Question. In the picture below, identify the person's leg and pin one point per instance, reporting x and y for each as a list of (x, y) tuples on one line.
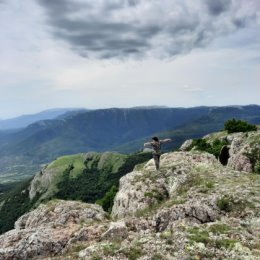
[(156, 161), (159, 156)]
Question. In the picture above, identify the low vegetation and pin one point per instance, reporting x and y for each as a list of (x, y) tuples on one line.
[(203, 145), (228, 203), (234, 126)]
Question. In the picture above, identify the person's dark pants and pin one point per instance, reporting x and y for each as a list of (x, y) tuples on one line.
[(156, 158)]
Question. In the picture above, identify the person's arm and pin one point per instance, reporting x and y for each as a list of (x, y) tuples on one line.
[(166, 140), (146, 144)]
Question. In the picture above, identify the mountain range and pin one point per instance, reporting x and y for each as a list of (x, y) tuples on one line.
[(115, 129), (25, 120)]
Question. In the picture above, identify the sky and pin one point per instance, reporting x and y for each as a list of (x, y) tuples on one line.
[(125, 53)]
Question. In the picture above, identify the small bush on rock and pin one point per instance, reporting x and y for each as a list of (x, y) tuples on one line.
[(108, 200), (233, 126), (203, 145), (229, 203)]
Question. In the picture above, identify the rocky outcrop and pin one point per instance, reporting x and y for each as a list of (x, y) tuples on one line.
[(47, 230), (116, 231), (141, 189), (193, 211), (186, 145), (243, 149)]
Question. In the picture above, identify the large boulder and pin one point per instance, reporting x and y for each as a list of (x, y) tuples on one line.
[(145, 187), (47, 230), (244, 151)]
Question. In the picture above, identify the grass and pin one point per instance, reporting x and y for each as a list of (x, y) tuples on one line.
[(134, 252), (175, 201), (157, 256), (77, 248), (147, 211), (154, 194), (205, 184), (219, 228), (110, 249), (198, 236), (225, 243), (228, 203), (107, 159), (63, 162), (96, 257)]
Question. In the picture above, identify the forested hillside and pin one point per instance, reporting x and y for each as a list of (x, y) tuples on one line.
[(87, 177)]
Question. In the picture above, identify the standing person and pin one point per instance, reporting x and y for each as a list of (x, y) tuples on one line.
[(156, 144)]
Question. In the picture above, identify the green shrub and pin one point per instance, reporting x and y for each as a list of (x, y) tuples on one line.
[(257, 169), (203, 145), (225, 203), (228, 203), (233, 126), (108, 200), (210, 184)]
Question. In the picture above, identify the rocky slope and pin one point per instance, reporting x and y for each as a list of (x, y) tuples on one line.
[(193, 208), (243, 149)]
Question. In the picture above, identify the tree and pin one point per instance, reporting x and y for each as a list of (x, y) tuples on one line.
[(233, 126)]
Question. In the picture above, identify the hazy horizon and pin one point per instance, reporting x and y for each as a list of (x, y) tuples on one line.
[(78, 108)]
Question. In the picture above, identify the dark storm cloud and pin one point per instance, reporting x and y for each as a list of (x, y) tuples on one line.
[(136, 28), (216, 7)]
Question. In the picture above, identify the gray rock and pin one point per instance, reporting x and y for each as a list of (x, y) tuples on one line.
[(47, 230), (193, 211), (186, 145), (243, 147), (116, 231), (141, 189)]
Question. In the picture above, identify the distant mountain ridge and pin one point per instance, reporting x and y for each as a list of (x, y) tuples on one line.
[(115, 129), (25, 120)]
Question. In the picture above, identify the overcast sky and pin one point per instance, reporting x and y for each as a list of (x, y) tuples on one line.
[(124, 53)]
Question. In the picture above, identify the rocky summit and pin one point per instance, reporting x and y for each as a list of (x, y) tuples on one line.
[(193, 208)]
